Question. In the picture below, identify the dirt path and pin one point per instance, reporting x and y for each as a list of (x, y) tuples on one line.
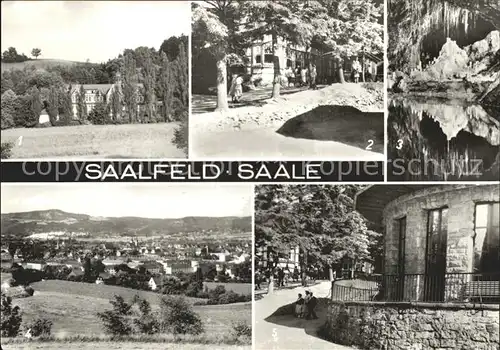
[(335, 122), (275, 331)]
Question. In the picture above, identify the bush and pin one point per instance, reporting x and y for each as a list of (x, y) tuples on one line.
[(177, 316), (181, 137), (194, 289), (116, 321), (6, 150), (40, 327), (241, 329), (10, 317)]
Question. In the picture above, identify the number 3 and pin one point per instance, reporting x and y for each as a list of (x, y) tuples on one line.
[(370, 144), (399, 144)]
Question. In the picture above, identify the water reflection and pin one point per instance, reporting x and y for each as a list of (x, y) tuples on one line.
[(441, 140)]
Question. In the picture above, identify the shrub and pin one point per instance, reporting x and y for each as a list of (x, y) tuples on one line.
[(146, 322), (6, 150), (116, 321), (194, 289), (10, 318), (181, 136), (40, 327), (178, 317), (241, 329)]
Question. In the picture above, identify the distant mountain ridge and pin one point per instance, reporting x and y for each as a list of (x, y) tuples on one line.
[(53, 220)]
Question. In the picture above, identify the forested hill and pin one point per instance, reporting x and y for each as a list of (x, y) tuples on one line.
[(45, 221)]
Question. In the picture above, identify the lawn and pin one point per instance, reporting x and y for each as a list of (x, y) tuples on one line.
[(73, 308), (97, 141), (117, 345)]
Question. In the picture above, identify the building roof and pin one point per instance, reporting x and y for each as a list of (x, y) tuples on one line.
[(371, 201)]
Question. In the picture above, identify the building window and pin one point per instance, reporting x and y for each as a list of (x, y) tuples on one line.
[(435, 268), (486, 239), (258, 59), (268, 58)]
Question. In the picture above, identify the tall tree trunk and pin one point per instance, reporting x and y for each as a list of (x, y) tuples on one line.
[(277, 71), (330, 273), (303, 269), (222, 104)]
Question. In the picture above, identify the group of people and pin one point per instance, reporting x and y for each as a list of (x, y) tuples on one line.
[(305, 306), (303, 76)]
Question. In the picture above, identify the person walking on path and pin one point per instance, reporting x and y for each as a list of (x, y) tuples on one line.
[(258, 280), (310, 302), (303, 76), (313, 76), (356, 67), (236, 90), (299, 307), (281, 277)]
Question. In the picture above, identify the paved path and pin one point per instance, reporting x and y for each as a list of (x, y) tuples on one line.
[(207, 103), (286, 332)]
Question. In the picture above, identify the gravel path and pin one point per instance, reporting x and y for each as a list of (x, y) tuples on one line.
[(285, 332)]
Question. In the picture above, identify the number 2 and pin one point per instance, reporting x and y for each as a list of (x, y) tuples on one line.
[(370, 144)]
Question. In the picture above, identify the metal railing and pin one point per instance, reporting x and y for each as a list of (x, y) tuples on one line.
[(449, 288)]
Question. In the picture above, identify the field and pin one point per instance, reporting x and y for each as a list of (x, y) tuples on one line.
[(39, 64), (98, 141), (72, 307), (117, 345)]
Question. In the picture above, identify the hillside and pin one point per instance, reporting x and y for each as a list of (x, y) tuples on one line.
[(39, 64), (26, 223), (73, 307)]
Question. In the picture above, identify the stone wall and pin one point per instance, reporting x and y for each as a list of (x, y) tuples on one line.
[(460, 200), (372, 325)]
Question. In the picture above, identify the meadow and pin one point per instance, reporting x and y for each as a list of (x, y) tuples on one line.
[(73, 308), (95, 141)]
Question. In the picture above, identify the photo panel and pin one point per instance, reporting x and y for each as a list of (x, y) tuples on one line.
[(113, 83), (126, 266), (444, 93), (377, 266), (287, 80)]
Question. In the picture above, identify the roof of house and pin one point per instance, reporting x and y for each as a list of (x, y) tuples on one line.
[(113, 261), (371, 201), (104, 275)]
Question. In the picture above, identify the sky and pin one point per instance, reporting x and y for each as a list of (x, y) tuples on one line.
[(93, 30), (159, 200)]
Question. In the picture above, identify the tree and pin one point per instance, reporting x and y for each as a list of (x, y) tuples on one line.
[(11, 317), (36, 107), (182, 77), (99, 114), (353, 26), (178, 317), (36, 52), (116, 321), (171, 46), (149, 79), (166, 87), (210, 33), (130, 87), (320, 219), (283, 20), (65, 106), (81, 107), (116, 104), (9, 100), (53, 105)]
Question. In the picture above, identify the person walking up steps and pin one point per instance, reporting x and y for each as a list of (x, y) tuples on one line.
[(299, 307)]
